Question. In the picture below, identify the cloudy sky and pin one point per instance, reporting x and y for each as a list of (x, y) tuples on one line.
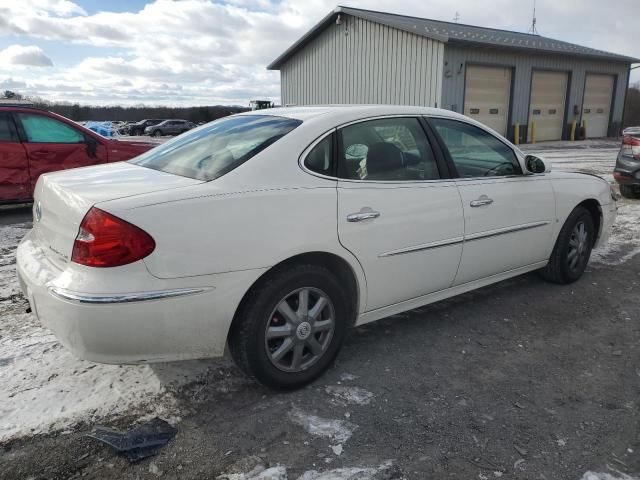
[(204, 52)]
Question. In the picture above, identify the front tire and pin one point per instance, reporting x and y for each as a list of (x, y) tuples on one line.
[(630, 191), (157, 133), (572, 249), (290, 327)]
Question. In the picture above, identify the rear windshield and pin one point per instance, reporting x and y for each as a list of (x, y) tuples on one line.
[(210, 151)]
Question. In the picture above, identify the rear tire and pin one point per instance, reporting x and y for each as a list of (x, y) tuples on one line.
[(284, 341), (572, 249), (630, 191)]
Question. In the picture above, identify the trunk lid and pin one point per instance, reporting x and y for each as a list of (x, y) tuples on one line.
[(62, 199)]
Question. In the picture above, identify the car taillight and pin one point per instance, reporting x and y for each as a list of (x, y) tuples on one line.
[(631, 147), (105, 240)]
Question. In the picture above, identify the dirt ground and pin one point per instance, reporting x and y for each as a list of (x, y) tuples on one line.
[(519, 380)]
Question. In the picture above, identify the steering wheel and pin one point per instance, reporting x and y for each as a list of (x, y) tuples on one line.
[(498, 167)]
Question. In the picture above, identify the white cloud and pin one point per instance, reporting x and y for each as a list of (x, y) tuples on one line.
[(203, 52), (18, 55)]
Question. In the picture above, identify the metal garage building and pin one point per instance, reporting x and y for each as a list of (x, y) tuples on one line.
[(499, 77)]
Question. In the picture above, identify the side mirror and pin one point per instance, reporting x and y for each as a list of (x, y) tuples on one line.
[(92, 146), (536, 164)]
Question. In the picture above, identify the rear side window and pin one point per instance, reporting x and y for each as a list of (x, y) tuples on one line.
[(388, 149), (7, 129), (320, 158), (474, 152), (216, 148), (41, 129)]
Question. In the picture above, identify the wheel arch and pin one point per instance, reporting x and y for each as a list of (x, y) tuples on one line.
[(340, 267), (594, 208)]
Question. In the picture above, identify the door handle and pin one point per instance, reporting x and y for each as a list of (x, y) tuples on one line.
[(483, 200), (365, 213)]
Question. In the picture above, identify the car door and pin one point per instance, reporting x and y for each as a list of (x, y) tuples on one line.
[(52, 144), (398, 213), (508, 214), (173, 127), (14, 166)]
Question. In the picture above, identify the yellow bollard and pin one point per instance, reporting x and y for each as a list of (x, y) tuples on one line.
[(516, 134), (584, 125), (572, 136), (533, 132)]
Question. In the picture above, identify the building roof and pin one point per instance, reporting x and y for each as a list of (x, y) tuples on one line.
[(455, 34)]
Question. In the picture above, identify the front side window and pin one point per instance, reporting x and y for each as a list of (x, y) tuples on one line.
[(388, 149), (216, 148), (7, 129), (474, 152), (42, 129)]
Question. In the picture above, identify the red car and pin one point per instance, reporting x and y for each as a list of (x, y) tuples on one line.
[(34, 141)]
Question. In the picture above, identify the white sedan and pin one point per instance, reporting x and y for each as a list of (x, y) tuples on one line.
[(274, 232)]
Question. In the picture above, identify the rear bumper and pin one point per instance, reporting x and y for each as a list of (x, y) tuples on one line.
[(142, 319)]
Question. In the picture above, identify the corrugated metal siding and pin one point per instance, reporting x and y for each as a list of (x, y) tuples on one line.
[(523, 64), (371, 63)]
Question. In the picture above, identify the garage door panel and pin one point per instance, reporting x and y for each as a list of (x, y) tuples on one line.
[(487, 92), (596, 108), (546, 111)]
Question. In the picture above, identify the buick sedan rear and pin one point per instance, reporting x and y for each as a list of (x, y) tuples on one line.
[(275, 233)]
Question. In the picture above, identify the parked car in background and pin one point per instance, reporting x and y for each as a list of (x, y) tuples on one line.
[(169, 127), (34, 141), (139, 127), (276, 233), (627, 170)]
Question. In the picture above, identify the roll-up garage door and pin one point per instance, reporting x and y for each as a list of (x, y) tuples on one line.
[(548, 95), (598, 91), (486, 96)]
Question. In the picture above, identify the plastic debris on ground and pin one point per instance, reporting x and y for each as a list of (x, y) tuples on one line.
[(139, 443)]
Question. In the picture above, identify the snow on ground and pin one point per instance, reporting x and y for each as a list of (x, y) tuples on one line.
[(607, 476), (337, 430), (624, 241), (279, 472), (349, 395)]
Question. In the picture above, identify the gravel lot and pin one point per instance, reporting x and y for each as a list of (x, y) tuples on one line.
[(521, 379)]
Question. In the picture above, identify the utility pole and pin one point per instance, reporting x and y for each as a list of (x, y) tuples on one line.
[(456, 17)]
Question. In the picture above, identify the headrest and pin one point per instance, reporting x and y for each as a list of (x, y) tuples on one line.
[(383, 157)]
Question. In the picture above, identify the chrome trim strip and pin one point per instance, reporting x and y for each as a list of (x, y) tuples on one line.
[(467, 238), (115, 298), (502, 231), (424, 246)]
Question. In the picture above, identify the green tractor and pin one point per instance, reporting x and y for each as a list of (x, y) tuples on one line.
[(261, 104)]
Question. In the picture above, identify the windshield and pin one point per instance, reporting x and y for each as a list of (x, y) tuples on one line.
[(214, 149)]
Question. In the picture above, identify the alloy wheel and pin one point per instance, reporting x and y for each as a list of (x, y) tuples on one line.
[(300, 329), (578, 246)]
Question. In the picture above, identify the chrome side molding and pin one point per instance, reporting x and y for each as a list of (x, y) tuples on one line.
[(111, 298)]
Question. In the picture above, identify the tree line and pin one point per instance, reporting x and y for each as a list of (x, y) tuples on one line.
[(79, 112)]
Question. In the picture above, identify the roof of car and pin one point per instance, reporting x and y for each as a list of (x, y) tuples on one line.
[(356, 111)]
